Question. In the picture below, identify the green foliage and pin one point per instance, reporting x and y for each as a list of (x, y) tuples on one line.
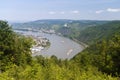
[(36, 71), (98, 33), (105, 55), (14, 49)]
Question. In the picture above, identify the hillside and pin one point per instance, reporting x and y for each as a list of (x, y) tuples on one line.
[(97, 33), (104, 48), (57, 23), (67, 28)]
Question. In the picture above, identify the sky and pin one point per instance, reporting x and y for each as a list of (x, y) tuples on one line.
[(30, 10)]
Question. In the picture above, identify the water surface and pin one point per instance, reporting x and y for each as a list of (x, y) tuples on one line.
[(60, 46)]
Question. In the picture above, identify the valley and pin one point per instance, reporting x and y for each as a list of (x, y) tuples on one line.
[(79, 52)]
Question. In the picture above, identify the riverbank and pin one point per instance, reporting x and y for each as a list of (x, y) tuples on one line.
[(77, 41), (39, 43), (60, 46), (81, 43)]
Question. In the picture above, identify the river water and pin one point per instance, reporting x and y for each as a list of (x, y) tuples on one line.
[(61, 47)]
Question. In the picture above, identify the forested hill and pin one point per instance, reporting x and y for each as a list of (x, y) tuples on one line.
[(104, 48), (67, 28), (97, 33), (57, 23)]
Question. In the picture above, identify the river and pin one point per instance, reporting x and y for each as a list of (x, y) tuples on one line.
[(61, 47)]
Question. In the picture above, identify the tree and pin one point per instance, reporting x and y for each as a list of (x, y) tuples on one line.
[(14, 49), (115, 54)]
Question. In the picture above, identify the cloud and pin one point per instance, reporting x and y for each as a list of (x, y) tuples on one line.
[(108, 10), (99, 11), (113, 10), (62, 12), (52, 12), (75, 12)]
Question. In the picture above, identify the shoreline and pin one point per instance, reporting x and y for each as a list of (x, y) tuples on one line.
[(75, 40), (81, 43)]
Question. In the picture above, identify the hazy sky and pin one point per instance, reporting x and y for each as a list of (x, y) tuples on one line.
[(27, 10)]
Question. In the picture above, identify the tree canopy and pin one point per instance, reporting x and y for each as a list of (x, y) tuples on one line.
[(14, 49)]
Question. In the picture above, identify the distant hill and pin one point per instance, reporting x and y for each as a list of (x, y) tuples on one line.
[(57, 23), (86, 31), (97, 33), (68, 28)]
